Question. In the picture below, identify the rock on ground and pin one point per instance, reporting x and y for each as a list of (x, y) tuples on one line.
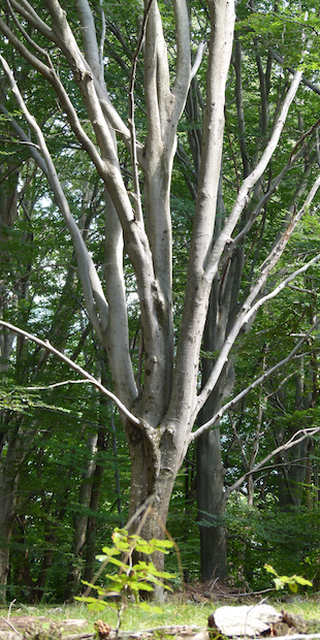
[(249, 620)]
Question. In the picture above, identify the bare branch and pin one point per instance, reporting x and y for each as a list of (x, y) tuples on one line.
[(198, 59), (26, 11), (49, 347), (249, 182), (132, 128), (250, 307), (183, 65), (229, 405), (92, 289), (297, 437)]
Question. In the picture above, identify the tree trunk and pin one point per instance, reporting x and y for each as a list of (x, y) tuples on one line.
[(81, 521), (211, 506), (8, 495)]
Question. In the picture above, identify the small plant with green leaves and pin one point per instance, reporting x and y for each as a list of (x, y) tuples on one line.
[(132, 577), (292, 581)]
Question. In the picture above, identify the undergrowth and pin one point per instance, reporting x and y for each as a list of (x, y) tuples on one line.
[(172, 612)]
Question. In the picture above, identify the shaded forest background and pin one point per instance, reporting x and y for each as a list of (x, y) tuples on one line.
[(63, 452)]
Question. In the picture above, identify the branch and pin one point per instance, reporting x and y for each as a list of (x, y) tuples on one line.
[(183, 65), (281, 61), (46, 345), (26, 11), (294, 440), (89, 37), (50, 75), (24, 8), (102, 39), (56, 384), (250, 307), (249, 182), (26, 35), (255, 383), (26, 140), (298, 150), (92, 288), (198, 60), (156, 77), (131, 122)]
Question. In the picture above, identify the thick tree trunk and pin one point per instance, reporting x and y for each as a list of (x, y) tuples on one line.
[(210, 472), (211, 506)]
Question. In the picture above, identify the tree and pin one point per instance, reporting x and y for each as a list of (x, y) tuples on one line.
[(161, 394)]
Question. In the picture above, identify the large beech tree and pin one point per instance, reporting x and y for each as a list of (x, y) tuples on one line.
[(66, 52)]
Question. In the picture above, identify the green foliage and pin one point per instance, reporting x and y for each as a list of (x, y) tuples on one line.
[(265, 534), (292, 581), (132, 577)]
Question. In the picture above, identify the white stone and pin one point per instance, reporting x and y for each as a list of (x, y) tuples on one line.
[(249, 620)]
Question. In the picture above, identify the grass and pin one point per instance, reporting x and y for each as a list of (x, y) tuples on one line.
[(172, 613), (133, 618), (307, 607)]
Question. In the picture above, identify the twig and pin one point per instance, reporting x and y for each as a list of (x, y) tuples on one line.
[(144, 506), (10, 607), (11, 626), (167, 630), (80, 636)]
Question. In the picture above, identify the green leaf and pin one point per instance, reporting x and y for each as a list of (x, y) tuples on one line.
[(303, 581), (162, 545), (278, 583), (97, 606), (118, 563), (143, 546), (144, 586), (270, 569), (110, 551)]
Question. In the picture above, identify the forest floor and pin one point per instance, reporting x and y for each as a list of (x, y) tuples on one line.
[(184, 616)]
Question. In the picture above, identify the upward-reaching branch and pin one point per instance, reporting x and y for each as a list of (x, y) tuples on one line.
[(95, 301), (197, 288), (251, 304), (250, 181), (90, 39), (266, 374)]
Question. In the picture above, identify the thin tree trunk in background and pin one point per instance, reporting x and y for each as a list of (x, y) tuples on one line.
[(93, 524), (9, 479), (81, 520), (116, 470)]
